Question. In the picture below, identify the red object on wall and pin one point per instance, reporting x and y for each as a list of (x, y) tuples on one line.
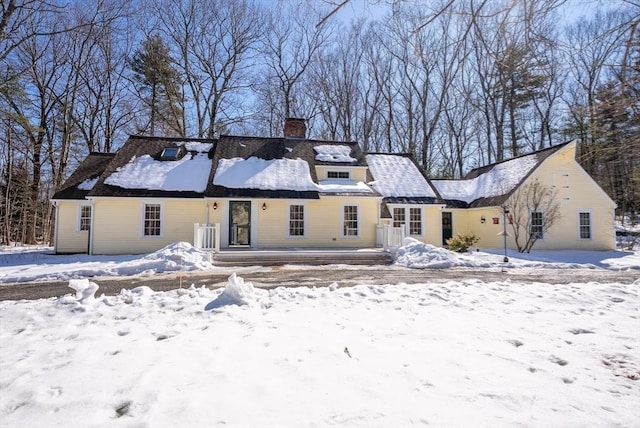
[(496, 220)]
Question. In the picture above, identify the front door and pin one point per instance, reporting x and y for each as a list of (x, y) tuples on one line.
[(447, 228), (239, 223)]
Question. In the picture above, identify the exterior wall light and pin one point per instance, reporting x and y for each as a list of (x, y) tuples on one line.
[(264, 206), (483, 219), (215, 205)]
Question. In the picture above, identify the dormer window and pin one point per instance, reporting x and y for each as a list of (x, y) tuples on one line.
[(338, 174), (170, 153)]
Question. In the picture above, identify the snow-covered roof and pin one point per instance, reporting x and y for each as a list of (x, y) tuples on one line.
[(343, 186), (88, 183), (262, 174), (334, 153), (398, 176), (196, 146), (499, 180), (144, 172)]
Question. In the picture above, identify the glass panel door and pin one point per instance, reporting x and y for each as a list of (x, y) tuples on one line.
[(447, 228), (239, 222)]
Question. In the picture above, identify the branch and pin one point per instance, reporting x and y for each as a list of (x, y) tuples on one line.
[(333, 12)]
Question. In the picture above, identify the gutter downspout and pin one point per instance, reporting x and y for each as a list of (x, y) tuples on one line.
[(93, 216), (55, 227)]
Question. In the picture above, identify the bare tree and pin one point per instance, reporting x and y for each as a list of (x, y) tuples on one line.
[(104, 106), (592, 44), (292, 42), (32, 106), (533, 209), (214, 44), (603, 101), (336, 80)]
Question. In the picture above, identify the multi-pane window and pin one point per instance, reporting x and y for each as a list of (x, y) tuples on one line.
[(536, 224), (398, 217), (85, 217), (585, 225), (152, 220), (415, 221), (296, 220), (350, 225), (338, 174)]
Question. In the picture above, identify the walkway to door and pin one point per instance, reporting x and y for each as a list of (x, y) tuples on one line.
[(285, 256), (207, 237)]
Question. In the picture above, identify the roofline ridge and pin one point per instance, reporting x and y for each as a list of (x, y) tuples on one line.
[(405, 154), (102, 154), (158, 138), (284, 139), (555, 147)]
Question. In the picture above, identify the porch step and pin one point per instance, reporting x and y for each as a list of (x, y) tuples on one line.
[(300, 257)]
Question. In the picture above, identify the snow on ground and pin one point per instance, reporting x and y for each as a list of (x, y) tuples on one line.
[(415, 254), (460, 353), (28, 264), (463, 353), (25, 264)]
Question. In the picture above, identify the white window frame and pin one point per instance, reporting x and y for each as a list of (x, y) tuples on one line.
[(338, 172), (406, 224), (395, 221), (304, 220), (79, 220), (421, 220), (338, 169), (344, 220), (541, 225), (143, 219), (590, 214)]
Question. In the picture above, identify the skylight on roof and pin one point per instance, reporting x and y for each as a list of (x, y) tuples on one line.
[(88, 184), (334, 153), (169, 153)]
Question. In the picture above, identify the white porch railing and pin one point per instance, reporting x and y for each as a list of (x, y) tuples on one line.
[(206, 236), (388, 236)]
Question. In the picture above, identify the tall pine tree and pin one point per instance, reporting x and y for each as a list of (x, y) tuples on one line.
[(159, 87)]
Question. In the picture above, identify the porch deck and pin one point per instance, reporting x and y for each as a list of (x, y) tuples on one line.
[(299, 256)]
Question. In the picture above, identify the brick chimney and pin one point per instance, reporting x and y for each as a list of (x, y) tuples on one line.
[(295, 128)]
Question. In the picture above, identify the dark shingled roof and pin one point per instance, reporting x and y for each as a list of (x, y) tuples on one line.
[(138, 146), (91, 167), (411, 200)]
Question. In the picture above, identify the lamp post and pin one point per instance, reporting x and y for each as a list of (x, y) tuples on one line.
[(505, 211)]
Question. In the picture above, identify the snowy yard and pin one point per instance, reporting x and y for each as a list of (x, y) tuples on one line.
[(463, 353)]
